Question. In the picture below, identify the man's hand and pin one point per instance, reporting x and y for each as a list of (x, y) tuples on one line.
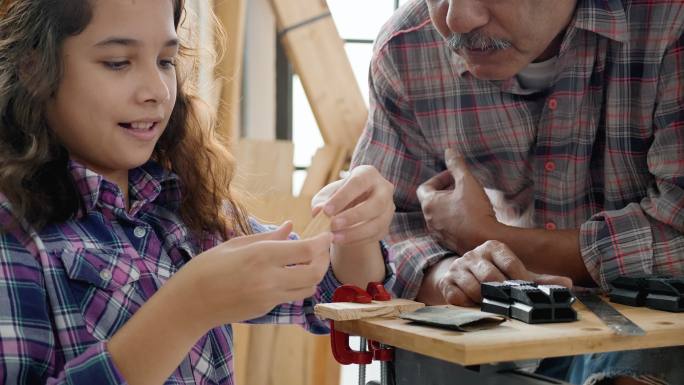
[(456, 209), (361, 206), (489, 262)]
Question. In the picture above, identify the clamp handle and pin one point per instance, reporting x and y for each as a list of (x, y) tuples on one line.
[(339, 341)]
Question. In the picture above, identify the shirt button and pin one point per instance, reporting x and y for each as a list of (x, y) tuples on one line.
[(139, 232), (553, 103), (106, 275), (550, 226), (550, 166)]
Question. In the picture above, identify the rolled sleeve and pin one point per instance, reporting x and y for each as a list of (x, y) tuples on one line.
[(94, 366)]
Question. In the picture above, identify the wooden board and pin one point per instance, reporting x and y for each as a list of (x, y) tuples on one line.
[(345, 311), (515, 340), (317, 54), (231, 14), (264, 167), (321, 170), (340, 163)]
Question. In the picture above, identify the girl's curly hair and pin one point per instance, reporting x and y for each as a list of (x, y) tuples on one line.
[(34, 172)]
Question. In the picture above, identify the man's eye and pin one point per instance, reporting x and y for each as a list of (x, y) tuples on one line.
[(116, 65)]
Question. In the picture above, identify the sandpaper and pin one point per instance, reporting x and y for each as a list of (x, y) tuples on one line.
[(454, 318)]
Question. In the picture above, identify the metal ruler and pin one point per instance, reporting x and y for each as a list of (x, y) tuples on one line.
[(620, 324)]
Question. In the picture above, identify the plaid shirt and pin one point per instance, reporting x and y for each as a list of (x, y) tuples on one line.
[(602, 150), (64, 291)]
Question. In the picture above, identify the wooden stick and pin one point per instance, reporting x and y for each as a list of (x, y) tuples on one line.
[(320, 224)]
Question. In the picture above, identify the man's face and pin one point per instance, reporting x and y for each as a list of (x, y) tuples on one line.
[(498, 38)]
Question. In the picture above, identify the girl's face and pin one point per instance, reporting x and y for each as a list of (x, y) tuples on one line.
[(119, 85)]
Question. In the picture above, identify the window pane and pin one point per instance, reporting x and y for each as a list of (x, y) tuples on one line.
[(360, 19), (305, 135), (359, 56)]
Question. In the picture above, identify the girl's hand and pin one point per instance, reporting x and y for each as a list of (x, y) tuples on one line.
[(360, 206), (246, 277)]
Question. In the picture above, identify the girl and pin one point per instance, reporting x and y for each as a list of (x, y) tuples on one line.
[(123, 256)]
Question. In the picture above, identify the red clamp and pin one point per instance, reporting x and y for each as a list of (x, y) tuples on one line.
[(339, 341)]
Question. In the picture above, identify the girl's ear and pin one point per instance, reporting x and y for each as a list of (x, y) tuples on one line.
[(26, 69), (31, 80)]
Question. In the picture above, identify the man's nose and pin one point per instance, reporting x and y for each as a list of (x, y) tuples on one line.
[(466, 16)]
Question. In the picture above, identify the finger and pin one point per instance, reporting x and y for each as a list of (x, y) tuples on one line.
[(375, 206), (282, 232), (326, 192), (470, 285), (352, 189), (454, 161), (306, 275), (547, 279), (282, 253), (299, 294), (439, 182), (505, 260), (453, 295), (486, 271), (372, 230)]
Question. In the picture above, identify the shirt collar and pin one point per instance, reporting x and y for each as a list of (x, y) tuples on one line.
[(603, 17), (147, 183)]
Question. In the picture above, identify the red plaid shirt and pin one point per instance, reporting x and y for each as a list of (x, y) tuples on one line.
[(602, 150)]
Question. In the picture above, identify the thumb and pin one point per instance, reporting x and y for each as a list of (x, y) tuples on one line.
[(454, 161), (322, 197), (547, 279), (439, 182), (279, 234)]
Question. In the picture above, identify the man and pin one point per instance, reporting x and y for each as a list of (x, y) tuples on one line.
[(566, 120)]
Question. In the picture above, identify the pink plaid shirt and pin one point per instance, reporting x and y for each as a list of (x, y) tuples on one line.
[(601, 150)]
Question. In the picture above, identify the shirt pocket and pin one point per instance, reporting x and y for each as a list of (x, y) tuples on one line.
[(102, 282)]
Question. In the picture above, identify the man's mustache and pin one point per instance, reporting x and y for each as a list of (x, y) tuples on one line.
[(476, 41)]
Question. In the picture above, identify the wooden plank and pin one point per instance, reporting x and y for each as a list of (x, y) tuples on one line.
[(289, 355), (320, 171), (241, 335), (514, 340), (346, 311), (231, 14), (317, 54), (264, 167), (277, 208), (341, 163)]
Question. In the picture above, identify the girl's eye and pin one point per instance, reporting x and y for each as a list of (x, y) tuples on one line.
[(116, 65), (167, 63)]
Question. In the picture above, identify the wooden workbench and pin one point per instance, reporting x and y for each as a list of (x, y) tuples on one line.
[(514, 340)]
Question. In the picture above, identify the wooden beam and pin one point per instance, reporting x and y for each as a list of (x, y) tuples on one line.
[(231, 14), (317, 54), (323, 169)]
